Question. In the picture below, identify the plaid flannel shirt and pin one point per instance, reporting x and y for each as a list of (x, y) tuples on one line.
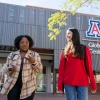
[(28, 73)]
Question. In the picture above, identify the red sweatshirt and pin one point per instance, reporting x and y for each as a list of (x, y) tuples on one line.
[(72, 71)]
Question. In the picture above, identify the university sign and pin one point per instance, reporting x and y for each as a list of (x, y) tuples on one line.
[(94, 32), (94, 29), (94, 47)]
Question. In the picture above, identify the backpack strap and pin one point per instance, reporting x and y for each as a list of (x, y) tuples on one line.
[(13, 55)]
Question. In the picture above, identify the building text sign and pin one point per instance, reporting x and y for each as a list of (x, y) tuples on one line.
[(94, 47)]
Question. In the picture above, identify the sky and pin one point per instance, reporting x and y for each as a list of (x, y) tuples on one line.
[(54, 4)]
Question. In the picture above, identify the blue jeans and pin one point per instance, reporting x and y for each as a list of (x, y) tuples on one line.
[(76, 92)]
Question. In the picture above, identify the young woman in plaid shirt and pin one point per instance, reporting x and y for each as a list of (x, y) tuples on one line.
[(21, 68)]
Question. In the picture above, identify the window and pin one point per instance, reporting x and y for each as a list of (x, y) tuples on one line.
[(22, 15), (11, 13)]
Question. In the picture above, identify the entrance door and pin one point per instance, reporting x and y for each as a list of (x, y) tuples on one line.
[(44, 79)]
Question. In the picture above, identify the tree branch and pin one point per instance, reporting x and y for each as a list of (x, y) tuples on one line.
[(80, 6)]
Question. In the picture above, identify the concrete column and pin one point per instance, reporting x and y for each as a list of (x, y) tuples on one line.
[(48, 79), (54, 80)]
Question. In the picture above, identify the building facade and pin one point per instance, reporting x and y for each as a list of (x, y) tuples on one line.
[(27, 20)]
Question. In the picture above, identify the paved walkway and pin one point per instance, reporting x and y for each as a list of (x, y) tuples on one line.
[(44, 96)]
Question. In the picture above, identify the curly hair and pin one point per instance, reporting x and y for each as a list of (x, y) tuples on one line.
[(19, 38)]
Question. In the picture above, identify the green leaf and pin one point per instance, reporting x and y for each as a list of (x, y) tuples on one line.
[(73, 13), (52, 37), (50, 34)]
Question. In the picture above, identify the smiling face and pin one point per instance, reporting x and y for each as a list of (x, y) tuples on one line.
[(69, 35), (24, 44)]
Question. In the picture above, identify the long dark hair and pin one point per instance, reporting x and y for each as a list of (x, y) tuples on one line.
[(79, 48)]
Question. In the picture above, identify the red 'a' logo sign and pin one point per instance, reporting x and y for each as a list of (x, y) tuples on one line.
[(94, 29)]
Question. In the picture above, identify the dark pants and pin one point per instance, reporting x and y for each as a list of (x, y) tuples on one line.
[(14, 94), (30, 97)]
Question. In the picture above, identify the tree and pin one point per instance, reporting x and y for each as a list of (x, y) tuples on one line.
[(58, 19)]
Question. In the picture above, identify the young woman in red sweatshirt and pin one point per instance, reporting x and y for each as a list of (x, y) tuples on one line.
[(75, 69)]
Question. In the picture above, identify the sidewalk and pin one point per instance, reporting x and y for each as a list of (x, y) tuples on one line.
[(45, 96)]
